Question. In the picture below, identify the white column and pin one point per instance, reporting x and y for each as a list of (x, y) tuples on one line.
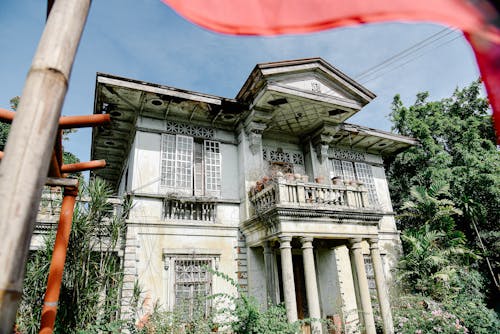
[(383, 296), (270, 275), (287, 276), (311, 284), (362, 286)]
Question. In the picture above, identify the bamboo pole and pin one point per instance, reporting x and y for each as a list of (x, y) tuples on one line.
[(23, 170), (49, 310)]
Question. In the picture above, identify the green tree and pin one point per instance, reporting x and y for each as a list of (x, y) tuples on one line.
[(437, 271), (430, 207), (457, 147), (89, 299), (4, 127)]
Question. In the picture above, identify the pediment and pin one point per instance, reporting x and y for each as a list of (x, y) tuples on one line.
[(298, 95), (312, 75), (314, 83)]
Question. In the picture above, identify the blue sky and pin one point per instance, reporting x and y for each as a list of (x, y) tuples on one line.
[(146, 40)]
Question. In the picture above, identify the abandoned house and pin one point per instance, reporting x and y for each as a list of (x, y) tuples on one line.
[(271, 187)]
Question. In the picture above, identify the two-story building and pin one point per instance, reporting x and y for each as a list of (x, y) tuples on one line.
[(271, 187)]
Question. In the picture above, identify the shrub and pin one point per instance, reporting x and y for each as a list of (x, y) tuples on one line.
[(230, 314), (419, 315)]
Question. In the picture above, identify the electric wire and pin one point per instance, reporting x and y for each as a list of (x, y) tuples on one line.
[(409, 52), (401, 53), (389, 70)]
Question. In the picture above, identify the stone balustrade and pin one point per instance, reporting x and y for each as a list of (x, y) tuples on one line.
[(190, 209), (309, 195), (49, 209)]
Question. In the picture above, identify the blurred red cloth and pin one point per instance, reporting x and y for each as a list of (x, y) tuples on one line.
[(272, 17)]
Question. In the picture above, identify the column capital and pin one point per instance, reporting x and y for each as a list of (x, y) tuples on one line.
[(373, 243), (267, 247), (355, 243), (306, 242), (285, 241)]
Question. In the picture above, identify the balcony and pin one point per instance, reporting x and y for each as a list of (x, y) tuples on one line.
[(49, 210), (190, 208), (315, 196)]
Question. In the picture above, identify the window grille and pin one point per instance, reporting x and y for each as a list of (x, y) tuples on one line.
[(212, 167), (365, 175), (336, 168), (193, 284), (184, 163), (168, 161), (190, 168), (176, 163), (348, 170), (356, 171)]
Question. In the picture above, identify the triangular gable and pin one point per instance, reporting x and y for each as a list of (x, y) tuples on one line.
[(314, 83)]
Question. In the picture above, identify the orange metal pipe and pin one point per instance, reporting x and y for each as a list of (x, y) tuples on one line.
[(54, 280), (81, 166), (58, 149), (66, 122), (6, 115), (71, 122), (54, 169)]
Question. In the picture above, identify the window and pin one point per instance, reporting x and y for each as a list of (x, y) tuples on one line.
[(190, 167), (188, 280), (356, 171), (193, 284)]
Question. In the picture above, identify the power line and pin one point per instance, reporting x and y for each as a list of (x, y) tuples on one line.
[(408, 52), (400, 53), (410, 60)]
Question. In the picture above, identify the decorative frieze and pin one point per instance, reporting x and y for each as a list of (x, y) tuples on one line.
[(345, 154), (189, 130), (279, 155)]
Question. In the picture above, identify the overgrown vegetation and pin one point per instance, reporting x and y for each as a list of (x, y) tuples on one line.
[(89, 299), (240, 314), (447, 193)]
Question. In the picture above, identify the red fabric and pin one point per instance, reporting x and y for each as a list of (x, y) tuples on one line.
[(272, 17), (487, 52)]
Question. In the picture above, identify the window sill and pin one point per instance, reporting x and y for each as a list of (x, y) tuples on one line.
[(187, 198)]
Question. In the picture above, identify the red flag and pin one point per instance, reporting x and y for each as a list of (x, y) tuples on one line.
[(272, 17)]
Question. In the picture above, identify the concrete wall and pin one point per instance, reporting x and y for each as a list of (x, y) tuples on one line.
[(155, 243), (256, 274)]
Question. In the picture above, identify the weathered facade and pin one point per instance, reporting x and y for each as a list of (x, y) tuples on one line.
[(245, 186)]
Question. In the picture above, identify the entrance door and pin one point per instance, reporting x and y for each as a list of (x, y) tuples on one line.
[(300, 286)]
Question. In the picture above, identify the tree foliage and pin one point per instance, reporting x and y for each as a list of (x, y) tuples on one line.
[(457, 149), (438, 271), (447, 191), (4, 127)]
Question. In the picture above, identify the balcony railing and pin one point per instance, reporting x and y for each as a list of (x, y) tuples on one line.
[(309, 195), (49, 209), (198, 209)]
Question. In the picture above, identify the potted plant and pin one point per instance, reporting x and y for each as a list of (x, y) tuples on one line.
[(337, 180)]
